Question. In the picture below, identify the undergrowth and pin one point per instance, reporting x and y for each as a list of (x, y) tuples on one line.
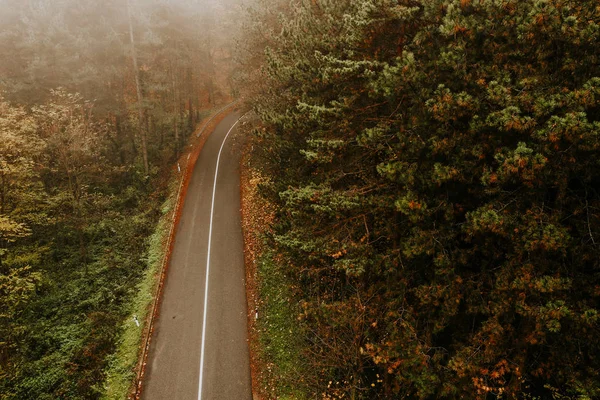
[(277, 348), (280, 337), (121, 371)]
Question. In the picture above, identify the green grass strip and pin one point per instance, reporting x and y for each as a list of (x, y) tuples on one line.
[(280, 336)]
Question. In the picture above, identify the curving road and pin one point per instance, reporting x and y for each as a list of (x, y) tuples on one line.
[(194, 323)]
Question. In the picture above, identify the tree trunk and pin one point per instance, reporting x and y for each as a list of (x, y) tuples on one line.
[(191, 122), (138, 87), (3, 194), (120, 141), (189, 95), (175, 110)]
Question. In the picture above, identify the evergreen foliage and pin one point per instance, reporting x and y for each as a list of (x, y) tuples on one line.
[(436, 173)]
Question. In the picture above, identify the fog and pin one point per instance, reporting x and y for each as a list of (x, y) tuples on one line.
[(85, 45)]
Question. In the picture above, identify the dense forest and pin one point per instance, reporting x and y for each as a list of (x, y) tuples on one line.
[(429, 183), (435, 170), (97, 100)]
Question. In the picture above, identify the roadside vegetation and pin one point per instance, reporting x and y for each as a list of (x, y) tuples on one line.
[(433, 171), (121, 370), (280, 337), (276, 342)]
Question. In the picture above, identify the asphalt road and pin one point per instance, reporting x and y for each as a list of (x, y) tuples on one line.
[(174, 363)]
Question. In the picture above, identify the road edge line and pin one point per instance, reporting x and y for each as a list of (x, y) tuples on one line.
[(212, 211), (136, 393)]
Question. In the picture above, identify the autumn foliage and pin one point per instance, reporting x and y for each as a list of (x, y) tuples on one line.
[(436, 172)]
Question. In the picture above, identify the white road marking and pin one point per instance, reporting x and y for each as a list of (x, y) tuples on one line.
[(212, 210)]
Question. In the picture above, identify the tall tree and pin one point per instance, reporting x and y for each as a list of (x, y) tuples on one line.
[(138, 90), (435, 171), (20, 190)]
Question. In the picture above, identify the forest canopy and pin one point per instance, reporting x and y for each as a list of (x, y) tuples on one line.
[(435, 170), (433, 165)]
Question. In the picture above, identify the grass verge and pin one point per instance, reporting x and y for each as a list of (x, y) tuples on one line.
[(276, 344), (279, 335)]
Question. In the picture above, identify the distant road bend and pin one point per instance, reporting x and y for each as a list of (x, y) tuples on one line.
[(199, 349)]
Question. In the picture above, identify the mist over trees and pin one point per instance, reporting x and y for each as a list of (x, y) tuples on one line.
[(435, 169), (434, 166), (91, 48), (97, 99)]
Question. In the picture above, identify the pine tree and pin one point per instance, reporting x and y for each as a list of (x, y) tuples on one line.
[(435, 171)]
